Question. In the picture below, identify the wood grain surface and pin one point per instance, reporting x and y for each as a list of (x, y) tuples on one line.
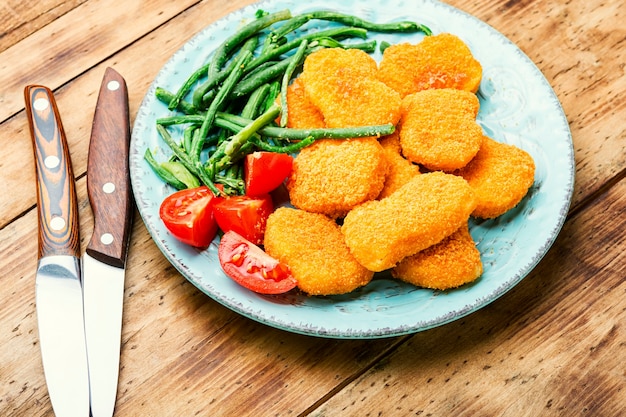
[(555, 345)]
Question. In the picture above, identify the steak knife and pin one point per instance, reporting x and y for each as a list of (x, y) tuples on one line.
[(59, 298), (108, 187)]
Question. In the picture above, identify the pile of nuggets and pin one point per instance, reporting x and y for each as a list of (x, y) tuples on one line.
[(400, 202)]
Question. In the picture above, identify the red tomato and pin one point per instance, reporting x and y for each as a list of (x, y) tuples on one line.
[(243, 214), (251, 267), (187, 215), (265, 171)]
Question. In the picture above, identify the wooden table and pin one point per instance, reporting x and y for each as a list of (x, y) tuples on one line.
[(555, 345)]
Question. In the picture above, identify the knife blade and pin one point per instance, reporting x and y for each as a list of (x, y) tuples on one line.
[(108, 187), (58, 298)]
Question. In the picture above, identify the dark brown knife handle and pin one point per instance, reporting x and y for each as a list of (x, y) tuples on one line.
[(108, 176), (56, 191)]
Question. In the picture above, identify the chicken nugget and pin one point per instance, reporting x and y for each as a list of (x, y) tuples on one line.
[(421, 213), (449, 264), (401, 170), (439, 61), (337, 62), (332, 176), (438, 128), (302, 114), (500, 175), (342, 84), (314, 249)]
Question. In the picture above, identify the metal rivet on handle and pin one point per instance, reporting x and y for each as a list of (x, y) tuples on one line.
[(41, 104), (57, 223), (51, 161), (106, 238), (108, 188), (113, 85)]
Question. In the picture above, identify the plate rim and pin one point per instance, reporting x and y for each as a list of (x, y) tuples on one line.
[(379, 332)]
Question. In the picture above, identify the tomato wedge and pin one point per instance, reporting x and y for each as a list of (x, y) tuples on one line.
[(188, 216), (251, 267), (265, 171), (243, 214)]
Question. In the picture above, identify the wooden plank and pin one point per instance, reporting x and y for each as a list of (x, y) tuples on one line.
[(75, 42), (556, 343), (20, 18)]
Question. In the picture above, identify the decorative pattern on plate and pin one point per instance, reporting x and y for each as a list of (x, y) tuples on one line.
[(518, 106)]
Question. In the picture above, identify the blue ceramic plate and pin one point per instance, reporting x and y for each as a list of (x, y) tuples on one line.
[(518, 106)]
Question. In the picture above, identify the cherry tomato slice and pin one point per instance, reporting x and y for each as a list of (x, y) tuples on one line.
[(243, 214), (188, 216), (265, 171), (251, 267)]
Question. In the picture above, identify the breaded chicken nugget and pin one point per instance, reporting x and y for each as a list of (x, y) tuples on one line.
[(439, 61), (302, 114), (400, 169), (342, 84), (500, 175), (314, 249), (438, 128), (420, 214), (332, 176), (449, 264)]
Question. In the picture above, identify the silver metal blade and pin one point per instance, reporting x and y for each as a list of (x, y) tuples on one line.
[(103, 288), (59, 301)]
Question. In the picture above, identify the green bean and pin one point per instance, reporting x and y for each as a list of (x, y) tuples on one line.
[(255, 102), (236, 184), (206, 91), (329, 133), (244, 134), (319, 133), (368, 47), (227, 125), (181, 173), (292, 148), (197, 143), (384, 45), (220, 56), (255, 71), (268, 45), (184, 89), (208, 180), (223, 92), (271, 97), (166, 97), (295, 62), (178, 151), (232, 122), (227, 152), (193, 166), (163, 173), (348, 20), (228, 162), (232, 178), (250, 84), (188, 138), (180, 119)]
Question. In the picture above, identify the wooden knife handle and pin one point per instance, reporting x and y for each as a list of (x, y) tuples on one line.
[(56, 190), (108, 176)]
